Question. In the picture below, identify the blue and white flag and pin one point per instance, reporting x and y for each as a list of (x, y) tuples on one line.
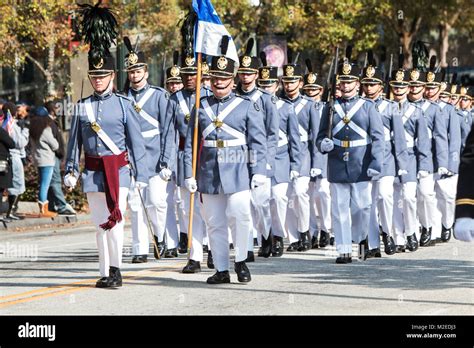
[(210, 30)]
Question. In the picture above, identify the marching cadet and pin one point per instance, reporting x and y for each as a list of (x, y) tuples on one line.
[(287, 160), (174, 82), (308, 125), (205, 77), (426, 200), (465, 113), (394, 162), (419, 159), (150, 103), (445, 182), (107, 127), (355, 157), (178, 115), (260, 199), (319, 191), (231, 163)]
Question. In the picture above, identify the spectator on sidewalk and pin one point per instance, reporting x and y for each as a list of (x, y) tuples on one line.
[(57, 201), (23, 120), (43, 147), (6, 143), (20, 135)]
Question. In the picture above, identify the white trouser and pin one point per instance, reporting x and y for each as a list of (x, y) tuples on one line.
[(404, 212), (109, 243), (320, 206), (426, 201), (199, 226), (223, 211), (182, 223), (298, 212), (446, 199), (260, 208), (350, 210), (279, 209), (164, 215), (381, 212)]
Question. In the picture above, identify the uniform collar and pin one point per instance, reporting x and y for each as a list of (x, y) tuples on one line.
[(103, 96), (242, 92), (224, 99), (419, 101), (143, 89), (293, 100), (349, 100)]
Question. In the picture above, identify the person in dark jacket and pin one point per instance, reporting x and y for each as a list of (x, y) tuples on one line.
[(6, 143)]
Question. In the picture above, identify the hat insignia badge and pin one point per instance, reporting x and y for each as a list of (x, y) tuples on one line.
[(174, 71), (414, 75), (189, 61), (370, 72), (311, 78), (443, 86), (289, 71), (399, 76), (205, 68), (99, 64), (222, 63), (346, 69), (463, 91), (246, 61), (430, 77), (265, 74), (132, 58), (453, 89)]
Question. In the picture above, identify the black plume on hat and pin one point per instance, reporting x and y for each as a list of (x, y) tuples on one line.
[(250, 44), (127, 43), (401, 58), (187, 33), (371, 58), (309, 65), (432, 63), (175, 57), (263, 58), (97, 28), (348, 52), (224, 45)]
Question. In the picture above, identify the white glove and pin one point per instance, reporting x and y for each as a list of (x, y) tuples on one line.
[(464, 229), (294, 174), (140, 185), (70, 180), (315, 172), (258, 180), (402, 172), (371, 173), (423, 174), (269, 167), (190, 184), (327, 145), (165, 174), (442, 171)]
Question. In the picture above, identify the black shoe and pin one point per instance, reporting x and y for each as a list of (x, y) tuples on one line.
[(183, 243), (231, 246), (277, 246), (140, 259), (314, 242), (255, 242), (250, 257), (294, 246), (259, 252), (363, 249), (400, 249), (210, 260), (373, 253), (13, 217), (331, 241), (389, 245), (219, 278), (344, 258), (446, 234), (438, 241), (192, 267), (323, 239), (161, 248), (266, 249), (115, 278), (425, 238), (412, 242), (305, 241), (243, 273), (102, 282), (170, 253), (205, 249)]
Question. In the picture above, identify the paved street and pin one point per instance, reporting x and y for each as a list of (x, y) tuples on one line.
[(60, 278)]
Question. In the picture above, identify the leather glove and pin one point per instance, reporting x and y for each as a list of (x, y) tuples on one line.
[(190, 184), (442, 171), (315, 172), (165, 174), (70, 180), (402, 172), (423, 174), (327, 145), (371, 173), (257, 180), (464, 229), (294, 174), (140, 185)]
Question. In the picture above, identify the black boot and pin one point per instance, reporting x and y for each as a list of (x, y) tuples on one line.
[(446, 234), (314, 241), (344, 258), (210, 260), (294, 246), (102, 282), (250, 257), (267, 245), (12, 207), (243, 273), (389, 245), (161, 248), (115, 278), (373, 253), (255, 242), (425, 238), (192, 267), (305, 241), (412, 242), (171, 253), (277, 246), (331, 241), (323, 239), (183, 243), (219, 278), (363, 249), (140, 259)]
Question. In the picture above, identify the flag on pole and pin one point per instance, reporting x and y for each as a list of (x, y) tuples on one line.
[(210, 30), (8, 123)]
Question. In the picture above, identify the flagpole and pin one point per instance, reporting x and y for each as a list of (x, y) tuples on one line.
[(195, 151)]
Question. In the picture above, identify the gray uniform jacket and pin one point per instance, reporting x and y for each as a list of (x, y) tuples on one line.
[(465, 119), (453, 128), (267, 104), (321, 158), (358, 144), (289, 144), (233, 146), (117, 117)]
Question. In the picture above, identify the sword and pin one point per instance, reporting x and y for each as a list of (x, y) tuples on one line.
[(75, 140), (333, 94)]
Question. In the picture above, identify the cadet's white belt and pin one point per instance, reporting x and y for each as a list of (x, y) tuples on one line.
[(283, 138), (387, 134), (351, 143), (150, 133), (224, 143)]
